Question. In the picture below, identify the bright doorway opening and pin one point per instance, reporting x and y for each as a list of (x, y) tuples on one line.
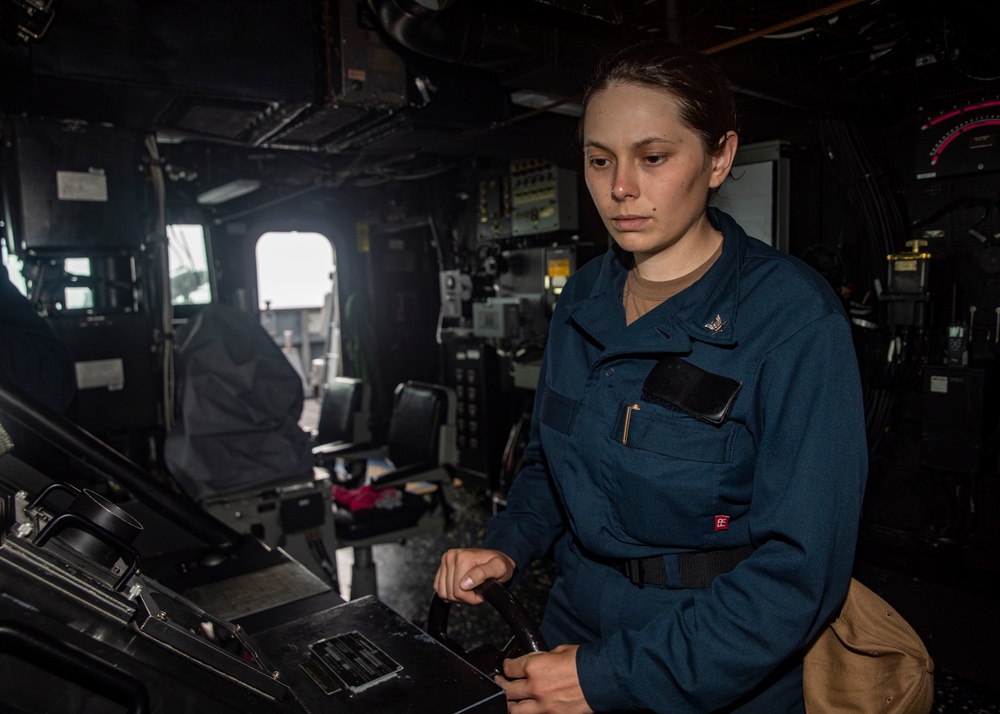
[(297, 298)]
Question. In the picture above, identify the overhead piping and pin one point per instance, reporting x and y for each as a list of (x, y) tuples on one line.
[(432, 32), (808, 17)]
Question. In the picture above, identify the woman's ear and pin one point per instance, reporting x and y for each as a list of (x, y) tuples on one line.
[(722, 161)]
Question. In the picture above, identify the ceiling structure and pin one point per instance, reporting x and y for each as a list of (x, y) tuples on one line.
[(325, 93)]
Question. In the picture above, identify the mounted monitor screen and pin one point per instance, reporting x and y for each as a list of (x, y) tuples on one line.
[(757, 192)]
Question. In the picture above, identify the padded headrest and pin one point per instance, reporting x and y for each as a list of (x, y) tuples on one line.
[(342, 400), (418, 413)]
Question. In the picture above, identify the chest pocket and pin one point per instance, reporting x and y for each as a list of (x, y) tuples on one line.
[(558, 411), (663, 430), (675, 382)]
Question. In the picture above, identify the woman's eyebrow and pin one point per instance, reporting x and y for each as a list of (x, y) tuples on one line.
[(645, 141)]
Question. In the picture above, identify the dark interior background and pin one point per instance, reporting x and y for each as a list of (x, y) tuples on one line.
[(394, 114)]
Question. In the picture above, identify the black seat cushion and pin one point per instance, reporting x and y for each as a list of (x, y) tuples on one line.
[(375, 522)]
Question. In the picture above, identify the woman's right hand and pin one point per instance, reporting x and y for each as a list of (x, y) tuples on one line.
[(463, 569)]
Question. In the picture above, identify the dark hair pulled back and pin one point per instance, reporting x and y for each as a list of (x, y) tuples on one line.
[(701, 89)]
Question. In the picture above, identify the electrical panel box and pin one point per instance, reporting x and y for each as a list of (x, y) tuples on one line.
[(456, 288), (494, 207), (497, 318), (363, 76), (958, 413), (528, 197), (369, 74), (71, 187), (471, 368), (543, 198)]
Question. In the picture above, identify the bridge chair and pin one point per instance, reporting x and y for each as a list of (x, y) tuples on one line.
[(295, 514), (407, 480), (345, 403), (343, 426)]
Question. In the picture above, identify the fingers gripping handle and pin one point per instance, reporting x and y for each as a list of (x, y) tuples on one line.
[(488, 658)]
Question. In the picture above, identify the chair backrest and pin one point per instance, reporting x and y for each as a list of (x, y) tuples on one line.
[(343, 415), (422, 421)]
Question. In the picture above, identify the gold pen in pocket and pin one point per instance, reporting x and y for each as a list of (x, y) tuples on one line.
[(628, 419)]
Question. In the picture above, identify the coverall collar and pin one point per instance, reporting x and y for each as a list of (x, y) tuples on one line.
[(705, 311)]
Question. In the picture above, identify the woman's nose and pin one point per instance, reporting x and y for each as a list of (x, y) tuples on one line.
[(624, 186)]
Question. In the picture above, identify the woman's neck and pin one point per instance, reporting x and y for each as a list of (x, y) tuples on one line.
[(680, 258)]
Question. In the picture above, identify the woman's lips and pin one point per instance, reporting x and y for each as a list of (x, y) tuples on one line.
[(629, 223)]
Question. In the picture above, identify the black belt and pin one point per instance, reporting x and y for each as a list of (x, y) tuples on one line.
[(681, 570)]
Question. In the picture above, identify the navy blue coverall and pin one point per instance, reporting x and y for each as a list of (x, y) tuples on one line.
[(784, 473), (32, 357)]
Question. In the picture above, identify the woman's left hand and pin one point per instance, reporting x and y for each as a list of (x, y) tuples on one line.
[(544, 683)]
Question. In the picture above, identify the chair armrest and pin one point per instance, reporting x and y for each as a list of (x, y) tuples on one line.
[(425, 471), (363, 450)]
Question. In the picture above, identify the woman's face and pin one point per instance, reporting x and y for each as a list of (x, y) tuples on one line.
[(649, 175)]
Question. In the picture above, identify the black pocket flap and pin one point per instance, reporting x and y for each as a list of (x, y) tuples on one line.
[(707, 396)]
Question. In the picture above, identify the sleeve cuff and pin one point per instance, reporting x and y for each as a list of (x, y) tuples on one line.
[(597, 678)]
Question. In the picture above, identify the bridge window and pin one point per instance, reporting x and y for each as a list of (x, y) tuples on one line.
[(78, 297), (190, 282)]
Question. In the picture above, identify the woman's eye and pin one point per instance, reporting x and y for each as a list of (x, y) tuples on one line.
[(654, 160), (598, 161)]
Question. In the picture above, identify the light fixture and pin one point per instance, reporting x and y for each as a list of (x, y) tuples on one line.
[(228, 191), (570, 106)]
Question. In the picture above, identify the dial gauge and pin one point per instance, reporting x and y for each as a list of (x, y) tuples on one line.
[(963, 138)]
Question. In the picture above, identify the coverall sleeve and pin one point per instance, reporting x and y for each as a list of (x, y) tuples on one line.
[(809, 481), (533, 518), (32, 357)]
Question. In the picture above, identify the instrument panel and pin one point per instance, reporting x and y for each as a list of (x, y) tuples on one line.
[(85, 633)]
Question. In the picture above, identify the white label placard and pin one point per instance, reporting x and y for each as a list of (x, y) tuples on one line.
[(108, 373), (82, 185)]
